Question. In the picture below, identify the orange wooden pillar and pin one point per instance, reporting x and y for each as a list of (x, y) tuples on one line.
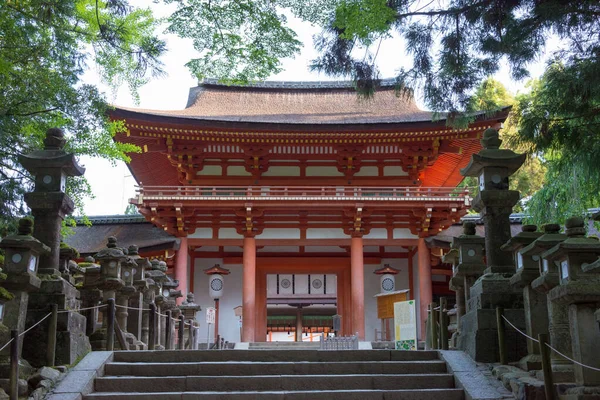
[(425, 287), (261, 306), (249, 290), (180, 272), (357, 276)]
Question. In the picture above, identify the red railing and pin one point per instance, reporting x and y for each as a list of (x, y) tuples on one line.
[(265, 192)]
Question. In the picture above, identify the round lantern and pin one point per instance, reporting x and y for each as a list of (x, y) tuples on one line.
[(215, 285), (387, 283)]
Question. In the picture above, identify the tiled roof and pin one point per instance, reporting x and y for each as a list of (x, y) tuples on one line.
[(128, 229)]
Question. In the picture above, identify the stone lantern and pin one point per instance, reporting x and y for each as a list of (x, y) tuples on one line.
[(527, 267), (456, 284), (558, 321), (469, 264), (579, 289), (161, 293), (48, 202), (123, 295), (189, 308), (136, 302), (493, 167), (22, 255), (91, 295), (110, 259)]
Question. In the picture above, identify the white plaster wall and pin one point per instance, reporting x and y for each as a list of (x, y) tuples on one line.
[(325, 233), (229, 233), (417, 293), (394, 170), (232, 297), (211, 170), (237, 170), (282, 171), (377, 233), (280, 233), (323, 171), (403, 233), (201, 233), (368, 171)]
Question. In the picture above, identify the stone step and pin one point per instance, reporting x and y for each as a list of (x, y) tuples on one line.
[(180, 356), (274, 368), (422, 394), (273, 382)]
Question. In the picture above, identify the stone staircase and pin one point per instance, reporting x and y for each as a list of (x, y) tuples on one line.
[(284, 346), (276, 375)]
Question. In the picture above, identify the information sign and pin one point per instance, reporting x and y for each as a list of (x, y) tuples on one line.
[(405, 324), (210, 315)]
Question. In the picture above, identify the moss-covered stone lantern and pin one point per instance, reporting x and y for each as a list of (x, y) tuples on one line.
[(579, 289), (22, 255), (527, 267)]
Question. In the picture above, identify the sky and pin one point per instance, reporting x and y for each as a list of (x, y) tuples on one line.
[(113, 185)]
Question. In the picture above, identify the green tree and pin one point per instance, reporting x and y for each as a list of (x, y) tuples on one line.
[(493, 95), (45, 47)]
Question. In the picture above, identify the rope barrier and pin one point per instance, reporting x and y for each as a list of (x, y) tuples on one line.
[(132, 308), (521, 332), (552, 348), (9, 342), (36, 324), (81, 309)]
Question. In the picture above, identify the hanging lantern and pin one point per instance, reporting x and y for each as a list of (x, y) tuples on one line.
[(215, 281), (387, 278)]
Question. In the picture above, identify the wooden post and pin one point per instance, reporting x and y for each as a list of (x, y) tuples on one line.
[(14, 365), (434, 327), (51, 349), (168, 327), (443, 324), (501, 335), (110, 325), (181, 344), (152, 327), (547, 367)]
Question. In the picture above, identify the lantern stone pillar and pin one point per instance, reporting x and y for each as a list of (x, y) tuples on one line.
[(493, 167), (249, 290), (181, 264), (110, 259), (48, 202), (425, 285), (457, 285), (357, 277), (136, 302), (157, 276), (579, 288), (536, 310), (558, 314), (189, 308)]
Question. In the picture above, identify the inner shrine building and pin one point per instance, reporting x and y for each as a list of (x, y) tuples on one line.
[(304, 193)]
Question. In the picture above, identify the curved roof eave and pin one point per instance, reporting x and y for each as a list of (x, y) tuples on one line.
[(215, 123)]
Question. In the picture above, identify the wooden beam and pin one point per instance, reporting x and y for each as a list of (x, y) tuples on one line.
[(301, 242)]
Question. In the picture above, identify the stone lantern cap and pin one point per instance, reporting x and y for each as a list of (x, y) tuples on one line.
[(527, 235), (469, 236), (111, 251), (52, 156), (451, 257), (24, 240), (575, 243), (551, 237), (493, 156)]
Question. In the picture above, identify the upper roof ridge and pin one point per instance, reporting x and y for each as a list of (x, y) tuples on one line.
[(385, 83)]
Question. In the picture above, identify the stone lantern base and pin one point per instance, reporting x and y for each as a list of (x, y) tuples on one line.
[(478, 328)]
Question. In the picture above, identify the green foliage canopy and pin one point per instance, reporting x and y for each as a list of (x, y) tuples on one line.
[(45, 47)]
